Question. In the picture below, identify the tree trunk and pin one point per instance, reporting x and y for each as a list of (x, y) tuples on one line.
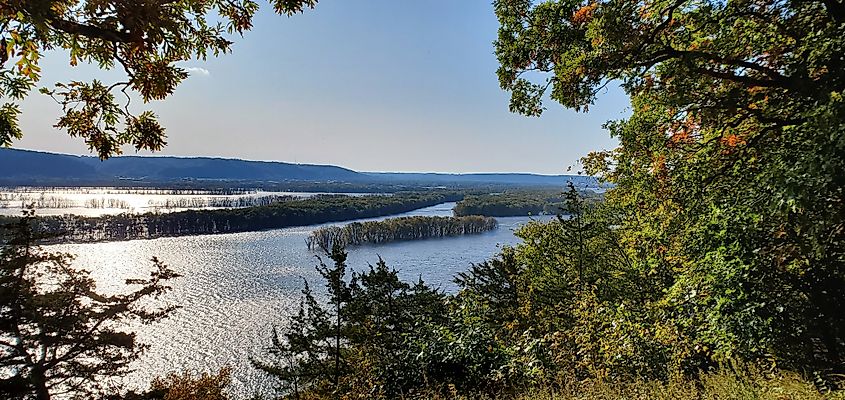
[(39, 382)]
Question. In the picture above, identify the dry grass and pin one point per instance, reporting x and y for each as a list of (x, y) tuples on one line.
[(719, 386)]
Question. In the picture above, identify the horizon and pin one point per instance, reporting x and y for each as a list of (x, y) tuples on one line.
[(328, 87), (299, 163)]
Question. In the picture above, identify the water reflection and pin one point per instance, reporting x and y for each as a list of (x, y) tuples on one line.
[(235, 286), (93, 202)]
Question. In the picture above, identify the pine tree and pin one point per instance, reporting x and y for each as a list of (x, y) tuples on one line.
[(57, 333)]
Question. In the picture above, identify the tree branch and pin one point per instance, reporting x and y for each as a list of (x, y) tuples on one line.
[(742, 79), (836, 9), (75, 28)]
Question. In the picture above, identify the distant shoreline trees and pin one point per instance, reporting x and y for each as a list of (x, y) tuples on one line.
[(517, 203), (311, 211), (398, 229)]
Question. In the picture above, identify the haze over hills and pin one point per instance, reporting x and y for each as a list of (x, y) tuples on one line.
[(27, 167), (500, 178)]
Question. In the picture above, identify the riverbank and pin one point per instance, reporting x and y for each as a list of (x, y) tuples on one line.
[(300, 212)]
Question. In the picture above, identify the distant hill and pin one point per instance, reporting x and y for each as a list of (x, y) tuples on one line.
[(489, 178), (26, 167)]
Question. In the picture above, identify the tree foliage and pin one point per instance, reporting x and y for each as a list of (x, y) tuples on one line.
[(728, 197), (357, 339), (145, 38), (58, 335), (400, 228), (186, 386)]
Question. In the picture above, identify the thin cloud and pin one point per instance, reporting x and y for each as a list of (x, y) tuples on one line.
[(198, 71)]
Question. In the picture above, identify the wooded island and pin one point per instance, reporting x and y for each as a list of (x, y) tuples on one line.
[(397, 229)]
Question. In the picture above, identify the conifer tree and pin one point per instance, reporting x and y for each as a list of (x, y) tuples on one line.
[(58, 334)]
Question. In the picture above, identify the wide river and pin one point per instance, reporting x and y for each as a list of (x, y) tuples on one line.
[(235, 287)]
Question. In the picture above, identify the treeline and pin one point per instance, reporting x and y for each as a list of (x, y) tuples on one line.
[(511, 204), (20, 200), (219, 202), (106, 203), (316, 210), (397, 229), (522, 326)]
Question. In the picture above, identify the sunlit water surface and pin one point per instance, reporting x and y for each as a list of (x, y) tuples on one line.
[(236, 286), (98, 201)]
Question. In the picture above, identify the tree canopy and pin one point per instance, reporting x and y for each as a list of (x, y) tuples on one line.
[(759, 60), (145, 38), (728, 179)]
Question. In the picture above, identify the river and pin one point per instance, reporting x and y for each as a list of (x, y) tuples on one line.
[(234, 287)]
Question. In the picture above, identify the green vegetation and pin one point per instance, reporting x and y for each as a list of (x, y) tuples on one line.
[(722, 238), (145, 39), (300, 212), (358, 340), (394, 229), (186, 386), (715, 267), (57, 333), (740, 384), (377, 337), (513, 203)]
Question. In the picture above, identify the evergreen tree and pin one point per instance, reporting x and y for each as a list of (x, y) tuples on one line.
[(359, 339), (58, 335)]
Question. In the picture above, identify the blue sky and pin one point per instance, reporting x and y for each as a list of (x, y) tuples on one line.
[(370, 85)]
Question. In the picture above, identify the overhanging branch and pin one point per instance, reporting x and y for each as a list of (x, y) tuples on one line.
[(75, 28)]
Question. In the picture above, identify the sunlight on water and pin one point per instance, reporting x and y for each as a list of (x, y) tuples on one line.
[(94, 202), (235, 286)]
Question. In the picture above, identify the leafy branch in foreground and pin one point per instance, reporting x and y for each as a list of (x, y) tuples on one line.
[(727, 193), (145, 38), (58, 334)]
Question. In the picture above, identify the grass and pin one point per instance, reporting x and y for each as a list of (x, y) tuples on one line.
[(718, 386)]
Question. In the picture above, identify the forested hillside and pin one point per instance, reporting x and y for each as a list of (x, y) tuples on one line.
[(34, 168), (24, 167)]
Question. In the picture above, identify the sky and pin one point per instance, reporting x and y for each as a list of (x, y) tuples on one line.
[(373, 85)]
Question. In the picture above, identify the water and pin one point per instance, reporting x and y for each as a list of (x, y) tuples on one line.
[(98, 201), (235, 286)]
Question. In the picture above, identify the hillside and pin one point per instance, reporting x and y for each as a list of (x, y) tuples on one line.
[(489, 178), (27, 167), (33, 167)]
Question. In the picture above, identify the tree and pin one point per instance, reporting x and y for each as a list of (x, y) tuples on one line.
[(187, 386), (307, 354), (145, 38), (357, 340), (58, 335), (728, 183)]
